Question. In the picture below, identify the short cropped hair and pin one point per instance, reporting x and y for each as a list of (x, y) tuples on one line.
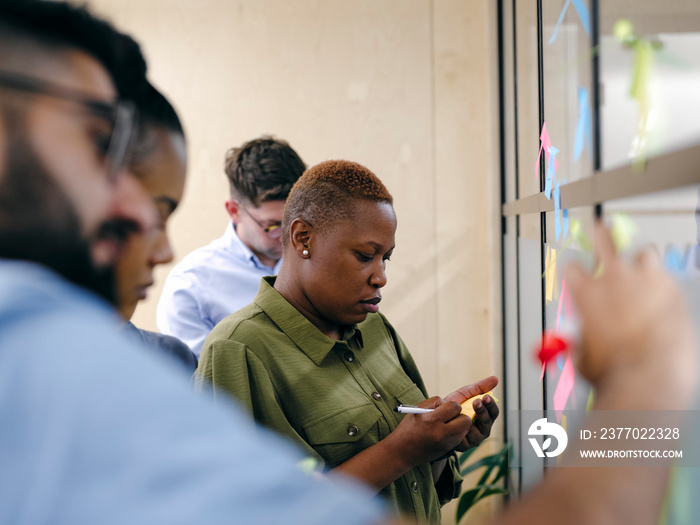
[(264, 169), (327, 193)]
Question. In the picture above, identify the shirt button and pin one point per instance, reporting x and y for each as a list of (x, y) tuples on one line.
[(376, 395), (414, 486), (353, 431), (349, 357)]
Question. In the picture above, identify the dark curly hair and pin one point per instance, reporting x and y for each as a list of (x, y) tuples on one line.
[(33, 28), (263, 169)]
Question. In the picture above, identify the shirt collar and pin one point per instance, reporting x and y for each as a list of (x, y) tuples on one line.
[(131, 329), (239, 249), (298, 328)]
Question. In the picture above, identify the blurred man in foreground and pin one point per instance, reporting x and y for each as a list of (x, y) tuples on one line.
[(96, 429)]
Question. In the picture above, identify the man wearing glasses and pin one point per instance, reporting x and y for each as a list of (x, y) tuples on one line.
[(95, 429), (218, 279), (67, 200)]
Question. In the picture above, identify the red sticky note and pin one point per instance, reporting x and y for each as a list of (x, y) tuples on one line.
[(552, 345)]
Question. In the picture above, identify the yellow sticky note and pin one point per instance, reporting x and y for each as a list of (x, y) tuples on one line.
[(589, 403), (468, 405), (547, 258), (551, 273), (581, 238), (563, 425)]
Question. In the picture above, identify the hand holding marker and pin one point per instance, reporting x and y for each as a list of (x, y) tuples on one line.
[(467, 407)]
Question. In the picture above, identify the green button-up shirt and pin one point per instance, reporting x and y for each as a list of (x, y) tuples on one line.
[(333, 398)]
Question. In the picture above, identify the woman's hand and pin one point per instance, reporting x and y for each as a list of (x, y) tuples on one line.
[(421, 438), (486, 411), (425, 438)]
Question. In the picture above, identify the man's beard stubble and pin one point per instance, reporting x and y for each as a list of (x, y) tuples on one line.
[(38, 222)]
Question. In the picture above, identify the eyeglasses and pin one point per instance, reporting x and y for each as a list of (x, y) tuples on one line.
[(121, 115), (274, 231)]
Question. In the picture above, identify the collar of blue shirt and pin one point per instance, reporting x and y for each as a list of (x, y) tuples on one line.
[(239, 249)]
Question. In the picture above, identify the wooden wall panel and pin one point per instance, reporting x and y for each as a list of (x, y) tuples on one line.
[(406, 87), (467, 212)]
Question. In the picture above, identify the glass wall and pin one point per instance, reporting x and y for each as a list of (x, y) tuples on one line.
[(600, 117)]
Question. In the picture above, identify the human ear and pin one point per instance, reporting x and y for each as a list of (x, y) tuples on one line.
[(232, 210), (301, 233)]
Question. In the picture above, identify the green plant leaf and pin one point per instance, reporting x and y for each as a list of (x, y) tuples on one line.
[(470, 497), (483, 489), (487, 461), (502, 468), (466, 500), (485, 476), (464, 456)]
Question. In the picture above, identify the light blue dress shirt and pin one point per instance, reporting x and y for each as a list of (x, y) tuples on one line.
[(95, 429), (207, 286)]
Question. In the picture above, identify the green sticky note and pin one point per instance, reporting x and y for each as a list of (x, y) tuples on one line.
[(580, 237), (623, 30), (641, 72)]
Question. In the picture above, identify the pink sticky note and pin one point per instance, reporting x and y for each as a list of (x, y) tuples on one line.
[(564, 388), (544, 367), (546, 145)]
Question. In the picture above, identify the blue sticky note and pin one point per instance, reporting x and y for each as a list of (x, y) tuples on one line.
[(584, 132), (672, 260), (583, 14), (557, 209), (561, 18), (675, 260), (565, 214), (551, 173), (560, 362)]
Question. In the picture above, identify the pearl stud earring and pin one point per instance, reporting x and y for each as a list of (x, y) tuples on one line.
[(305, 253)]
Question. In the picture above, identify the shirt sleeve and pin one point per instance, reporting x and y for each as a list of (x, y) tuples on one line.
[(450, 486), (180, 312), (97, 430), (169, 347), (228, 368)]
